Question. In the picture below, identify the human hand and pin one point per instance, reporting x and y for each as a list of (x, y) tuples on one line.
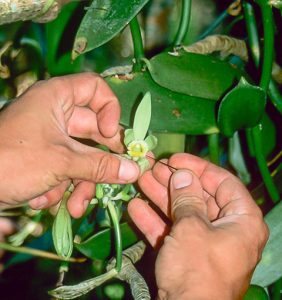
[(217, 235), (39, 159)]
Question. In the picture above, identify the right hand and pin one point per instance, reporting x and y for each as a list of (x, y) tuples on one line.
[(217, 235)]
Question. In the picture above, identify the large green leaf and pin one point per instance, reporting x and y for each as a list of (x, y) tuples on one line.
[(103, 20), (171, 111), (242, 107), (270, 267), (193, 74), (100, 245)]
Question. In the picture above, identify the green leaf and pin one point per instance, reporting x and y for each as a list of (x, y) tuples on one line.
[(104, 20), (143, 164), (100, 245), (269, 134), (142, 118), (59, 39), (256, 292), (62, 230), (236, 159), (193, 74), (128, 136), (151, 141), (241, 108), (171, 112), (269, 268)]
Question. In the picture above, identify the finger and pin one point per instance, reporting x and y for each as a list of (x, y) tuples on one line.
[(6, 226), (148, 221), (83, 124), (80, 198), (50, 198), (187, 196), (89, 89), (162, 172), (217, 182), (155, 191), (91, 164)]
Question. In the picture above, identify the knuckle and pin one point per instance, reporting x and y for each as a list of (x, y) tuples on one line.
[(186, 202), (104, 166)]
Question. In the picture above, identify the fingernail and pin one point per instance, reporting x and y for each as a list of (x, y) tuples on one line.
[(128, 170), (40, 202), (181, 179)]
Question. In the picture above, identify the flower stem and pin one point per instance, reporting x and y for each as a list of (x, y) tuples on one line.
[(184, 22), (137, 44), (118, 242)]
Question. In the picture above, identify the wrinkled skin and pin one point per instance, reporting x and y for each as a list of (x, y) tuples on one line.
[(39, 157), (217, 234)]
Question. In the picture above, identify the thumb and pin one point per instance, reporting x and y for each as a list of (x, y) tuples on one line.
[(187, 196), (102, 167)]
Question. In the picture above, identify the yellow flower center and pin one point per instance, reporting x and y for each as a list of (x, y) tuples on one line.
[(137, 149)]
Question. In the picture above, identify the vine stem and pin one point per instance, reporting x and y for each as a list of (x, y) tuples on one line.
[(256, 132), (274, 93), (184, 22), (36, 252), (137, 44), (213, 142), (268, 45), (118, 242)]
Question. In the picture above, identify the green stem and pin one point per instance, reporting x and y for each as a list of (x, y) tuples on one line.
[(137, 44), (35, 252), (213, 142), (268, 45), (253, 37), (262, 164), (275, 96), (256, 132), (252, 31), (118, 242), (184, 22)]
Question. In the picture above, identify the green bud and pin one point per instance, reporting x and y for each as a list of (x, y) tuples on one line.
[(62, 230)]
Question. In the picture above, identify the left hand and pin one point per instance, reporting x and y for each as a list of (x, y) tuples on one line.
[(39, 159)]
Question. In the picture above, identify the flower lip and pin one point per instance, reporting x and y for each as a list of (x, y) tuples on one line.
[(137, 149)]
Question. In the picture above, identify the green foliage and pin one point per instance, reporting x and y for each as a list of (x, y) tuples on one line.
[(270, 267), (193, 74), (103, 20), (99, 246), (171, 111), (241, 108), (256, 292)]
